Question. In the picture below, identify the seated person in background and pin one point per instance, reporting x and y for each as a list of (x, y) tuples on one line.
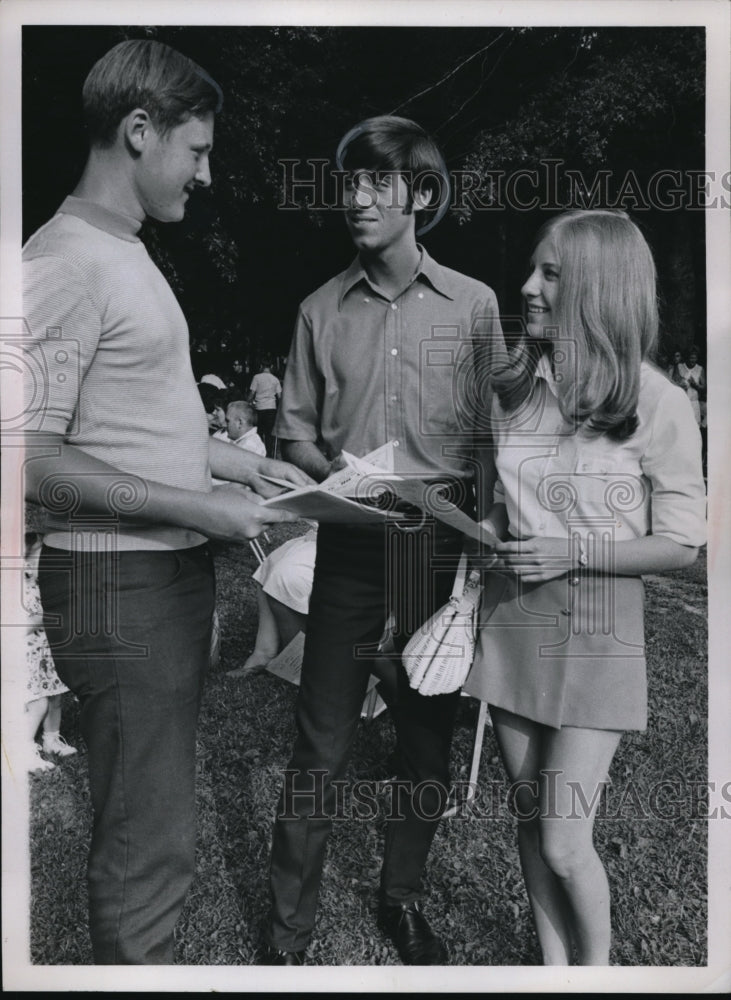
[(241, 427), (283, 585), (214, 405), (215, 380)]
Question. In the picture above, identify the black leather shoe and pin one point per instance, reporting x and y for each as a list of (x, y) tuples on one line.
[(407, 927), (273, 956)]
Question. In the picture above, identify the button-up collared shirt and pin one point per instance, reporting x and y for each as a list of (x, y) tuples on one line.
[(554, 481), (365, 369)]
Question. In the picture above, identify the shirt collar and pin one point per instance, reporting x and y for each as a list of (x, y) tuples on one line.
[(544, 371), (428, 270), (114, 223)]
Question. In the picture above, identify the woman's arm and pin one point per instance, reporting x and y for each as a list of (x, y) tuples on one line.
[(671, 461), (538, 559), (497, 520)]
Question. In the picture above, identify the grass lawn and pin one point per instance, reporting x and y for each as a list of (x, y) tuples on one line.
[(653, 836)]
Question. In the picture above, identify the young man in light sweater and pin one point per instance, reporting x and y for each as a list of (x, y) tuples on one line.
[(119, 454)]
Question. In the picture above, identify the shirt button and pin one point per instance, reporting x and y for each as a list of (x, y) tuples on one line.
[(573, 581), (394, 306), (421, 295), (366, 300), (394, 399), (394, 351), (395, 444), (566, 611)]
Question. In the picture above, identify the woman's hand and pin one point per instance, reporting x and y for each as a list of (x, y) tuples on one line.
[(483, 554), (536, 559)]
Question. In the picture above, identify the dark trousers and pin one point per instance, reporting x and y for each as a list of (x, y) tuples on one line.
[(361, 575), (130, 635), (265, 420)]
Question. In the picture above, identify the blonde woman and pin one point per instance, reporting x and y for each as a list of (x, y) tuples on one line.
[(599, 465)]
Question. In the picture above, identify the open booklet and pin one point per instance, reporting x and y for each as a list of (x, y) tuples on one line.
[(363, 491)]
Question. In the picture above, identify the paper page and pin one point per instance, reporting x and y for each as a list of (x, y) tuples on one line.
[(368, 477), (413, 491), (381, 459), (331, 508), (287, 664), (347, 481)]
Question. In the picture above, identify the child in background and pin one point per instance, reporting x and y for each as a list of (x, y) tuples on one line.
[(43, 704)]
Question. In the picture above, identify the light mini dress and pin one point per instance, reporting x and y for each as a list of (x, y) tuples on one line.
[(570, 651)]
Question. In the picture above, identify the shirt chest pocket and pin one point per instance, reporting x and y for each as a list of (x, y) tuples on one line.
[(607, 485), (445, 389)]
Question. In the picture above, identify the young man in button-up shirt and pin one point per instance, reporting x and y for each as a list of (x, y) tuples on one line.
[(382, 352)]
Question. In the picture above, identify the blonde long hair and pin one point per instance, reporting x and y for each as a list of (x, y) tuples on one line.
[(606, 306)]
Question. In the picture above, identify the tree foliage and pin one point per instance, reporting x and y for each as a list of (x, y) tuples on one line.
[(626, 99), (617, 99)]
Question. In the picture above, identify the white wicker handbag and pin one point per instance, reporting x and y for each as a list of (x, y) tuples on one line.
[(438, 657)]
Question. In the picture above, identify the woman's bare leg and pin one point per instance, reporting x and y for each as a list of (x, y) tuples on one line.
[(574, 768), (266, 644), (288, 621), (521, 743)]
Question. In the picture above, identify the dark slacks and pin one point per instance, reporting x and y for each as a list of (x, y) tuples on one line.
[(130, 635), (360, 576), (265, 420)]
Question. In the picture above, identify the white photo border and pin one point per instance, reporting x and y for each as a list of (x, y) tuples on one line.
[(715, 15)]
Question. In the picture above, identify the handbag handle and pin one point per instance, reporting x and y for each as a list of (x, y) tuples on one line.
[(459, 580)]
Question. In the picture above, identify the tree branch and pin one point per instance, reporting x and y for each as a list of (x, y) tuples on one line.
[(446, 76)]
